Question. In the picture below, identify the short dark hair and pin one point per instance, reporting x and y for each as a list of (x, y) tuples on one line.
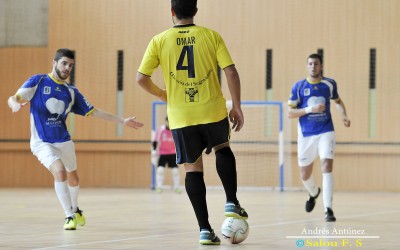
[(315, 56), (184, 8), (64, 53)]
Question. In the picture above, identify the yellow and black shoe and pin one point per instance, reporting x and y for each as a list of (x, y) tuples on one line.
[(70, 223), (80, 218)]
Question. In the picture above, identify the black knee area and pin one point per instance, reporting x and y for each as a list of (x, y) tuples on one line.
[(225, 160), (194, 183)]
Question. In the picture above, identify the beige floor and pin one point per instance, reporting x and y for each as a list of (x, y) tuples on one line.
[(142, 219)]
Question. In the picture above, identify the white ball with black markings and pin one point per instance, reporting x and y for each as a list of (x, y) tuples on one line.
[(235, 230)]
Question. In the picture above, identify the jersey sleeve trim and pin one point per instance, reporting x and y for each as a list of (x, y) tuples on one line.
[(144, 74), (229, 65), (90, 112), (19, 97)]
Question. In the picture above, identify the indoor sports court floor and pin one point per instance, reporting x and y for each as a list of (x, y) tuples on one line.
[(143, 219)]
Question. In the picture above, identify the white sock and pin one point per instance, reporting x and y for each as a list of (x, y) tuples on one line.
[(160, 177), (310, 186), (327, 187), (74, 191), (64, 197), (175, 177)]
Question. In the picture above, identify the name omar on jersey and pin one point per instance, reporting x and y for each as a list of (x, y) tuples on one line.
[(186, 40)]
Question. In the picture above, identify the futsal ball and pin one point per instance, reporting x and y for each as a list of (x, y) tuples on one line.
[(235, 230)]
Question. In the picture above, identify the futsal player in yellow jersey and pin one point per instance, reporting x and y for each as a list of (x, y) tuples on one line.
[(189, 56)]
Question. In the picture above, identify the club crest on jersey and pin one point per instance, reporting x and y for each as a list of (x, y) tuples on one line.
[(46, 90), (306, 92), (192, 95)]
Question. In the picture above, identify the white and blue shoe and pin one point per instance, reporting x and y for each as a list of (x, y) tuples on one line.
[(208, 238), (235, 211)]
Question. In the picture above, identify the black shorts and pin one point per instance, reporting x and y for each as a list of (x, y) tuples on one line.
[(170, 159), (191, 141)]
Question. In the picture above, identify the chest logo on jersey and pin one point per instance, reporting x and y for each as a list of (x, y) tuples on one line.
[(46, 90), (307, 92), (191, 95)]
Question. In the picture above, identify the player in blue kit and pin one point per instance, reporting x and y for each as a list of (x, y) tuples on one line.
[(310, 102), (51, 100)]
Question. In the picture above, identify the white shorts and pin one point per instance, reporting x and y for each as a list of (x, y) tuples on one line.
[(309, 147), (48, 153)]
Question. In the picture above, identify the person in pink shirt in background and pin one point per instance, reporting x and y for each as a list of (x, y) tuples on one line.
[(163, 153)]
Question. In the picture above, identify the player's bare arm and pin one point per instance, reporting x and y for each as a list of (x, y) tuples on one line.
[(130, 121), (342, 110), (235, 114), (147, 84)]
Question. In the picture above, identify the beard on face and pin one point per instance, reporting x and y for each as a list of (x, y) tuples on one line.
[(60, 74)]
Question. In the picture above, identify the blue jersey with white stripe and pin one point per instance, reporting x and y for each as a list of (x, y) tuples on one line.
[(50, 103), (306, 94)]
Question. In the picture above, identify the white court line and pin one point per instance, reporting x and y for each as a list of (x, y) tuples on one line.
[(317, 219), (256, 226)]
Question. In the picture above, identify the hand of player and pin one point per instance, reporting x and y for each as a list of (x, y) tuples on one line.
[(14, 105), (346, 121), (319, 108), (131, 122), (236, 117), (163, 95)]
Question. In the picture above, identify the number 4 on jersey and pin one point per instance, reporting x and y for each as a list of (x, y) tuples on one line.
[(187, 51)]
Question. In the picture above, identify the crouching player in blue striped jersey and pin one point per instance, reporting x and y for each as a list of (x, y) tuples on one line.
[(51, 100), (310, 102)]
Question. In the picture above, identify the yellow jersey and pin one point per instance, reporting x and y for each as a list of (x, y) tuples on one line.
[(189, 56)]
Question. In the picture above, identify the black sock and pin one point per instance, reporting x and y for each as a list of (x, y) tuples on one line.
[(226, 168), (196, 190)]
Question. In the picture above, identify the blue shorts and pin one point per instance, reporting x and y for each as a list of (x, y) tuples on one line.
[(192, 140)]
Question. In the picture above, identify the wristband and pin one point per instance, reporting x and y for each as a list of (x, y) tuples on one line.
[(308, 110)]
